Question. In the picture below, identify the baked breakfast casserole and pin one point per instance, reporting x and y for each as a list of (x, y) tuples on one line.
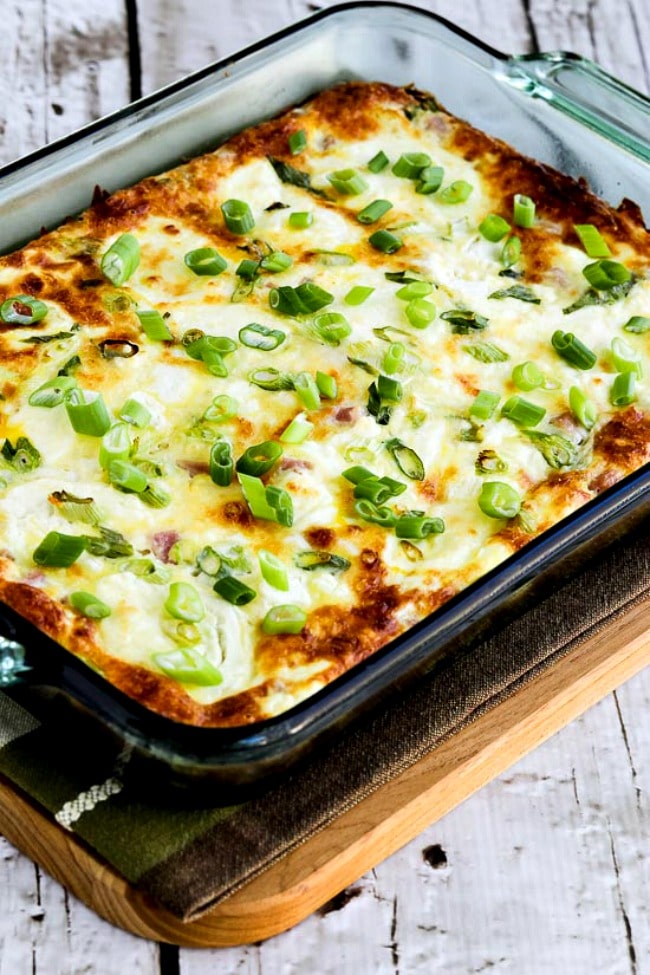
[(264, 412)]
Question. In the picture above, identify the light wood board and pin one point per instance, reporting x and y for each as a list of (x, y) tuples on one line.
[(359, 839)]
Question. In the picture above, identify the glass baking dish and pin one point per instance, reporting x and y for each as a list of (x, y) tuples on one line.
[(559, 108)]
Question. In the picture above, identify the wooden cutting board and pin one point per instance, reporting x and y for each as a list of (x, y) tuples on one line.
[(359, 839)]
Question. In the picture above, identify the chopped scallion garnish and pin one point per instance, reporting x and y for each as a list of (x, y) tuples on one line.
[(499, 500), (327, 385), (604, 275), (121, 259), (429, 180), (592, 240), (410, 164), (457, 192), (22, 310), (582, 408), (420, 312), (87, 416), (306, 387), (276, 261), (623, 390), (523, 412), (53, 392), (350, 182), (256, 336), (184, 603), (284, 619), (222, 466), (89, 605), (484, 405), (23, 457), (572, 350), (115, 445), (58, 550), (406, 459), (418, 526), (358, 294), (297, 431), (493, 227), (273, 570), (188, 664), (237, 216), (332, 327), (297, 142), (385, 241), (234, 590), (259, 458), (523, 210), (374, 211), (300, 219), (378, 162), (135, 413), (625, 358), (637, 324), (205, 262), (527, 376)]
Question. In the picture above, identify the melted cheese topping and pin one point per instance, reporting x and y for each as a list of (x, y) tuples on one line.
[(389, 583)]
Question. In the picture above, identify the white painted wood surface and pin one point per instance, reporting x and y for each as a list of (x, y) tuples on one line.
[(546, 870)]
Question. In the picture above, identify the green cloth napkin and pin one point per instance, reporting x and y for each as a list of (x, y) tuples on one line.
[(190, 854)]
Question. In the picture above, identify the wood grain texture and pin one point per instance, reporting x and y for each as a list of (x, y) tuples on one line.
[(318, 870), (545, 869)]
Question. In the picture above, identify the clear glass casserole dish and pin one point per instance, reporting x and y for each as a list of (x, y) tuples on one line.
[(557, 108)]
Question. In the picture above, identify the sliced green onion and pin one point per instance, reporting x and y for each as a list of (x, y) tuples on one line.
[(22, 310), (358, 294), (280, 501), (377, 407), (410, 164), (115, 445), (297, 431), (286, 301), (637, 324), (121, 259), (457, 192), (591, 239), (418, 526), (58, 550), (273, 570), (188, 665), (271, 379), (135, 413), (209, 561), (376, 514), (403, 277), (256, 336), (327, 385), (429, 180), (625, 358), (87, 417), (573, 350), (237, 216), (234, 591), (184, 603), (389, 389), (307, 388), (255, 495), (221, 409), (378, 162), (420, 312), (53, 392), (332, 327), (127, 476), (222, 467), (276, 261), (315, 559), (519, 291), (70, 366), (414, 289), (284, 619), (196, 344), (406, 459), (527, 376), (350, 182), (523, 210), (511, 251), (259, 458), (582, 408), (248, 269), (522, 411), (313, 297), (493, 227), (623, 391), (73, 509), (393, 358), (297, 142), (156, 574), (385, 241), (604, 275), (356, 474), (484, 405), (108, 544), (300, 219), (498, 500), (372, 489), (89, 605), (205, 261), (374, 211)]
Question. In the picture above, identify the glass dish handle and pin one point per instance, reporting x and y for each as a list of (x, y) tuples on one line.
[(580, 88)]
